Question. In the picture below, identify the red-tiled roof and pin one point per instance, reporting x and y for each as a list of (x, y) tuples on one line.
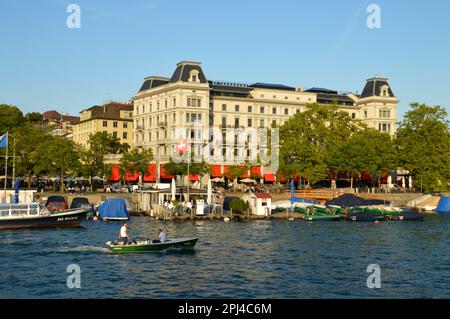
[(109, 111)]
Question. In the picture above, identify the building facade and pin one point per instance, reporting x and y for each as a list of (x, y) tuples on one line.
[(62, 125), (188, 105), (114, 118)]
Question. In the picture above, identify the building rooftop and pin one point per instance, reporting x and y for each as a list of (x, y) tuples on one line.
[(109, 111)]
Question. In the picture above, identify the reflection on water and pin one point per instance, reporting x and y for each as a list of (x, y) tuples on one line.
[(261, 259)]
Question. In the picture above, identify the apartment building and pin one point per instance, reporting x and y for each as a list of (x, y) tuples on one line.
[(113, 117)]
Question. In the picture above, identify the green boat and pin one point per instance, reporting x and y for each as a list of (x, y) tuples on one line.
[(149, 246), (324, 217)]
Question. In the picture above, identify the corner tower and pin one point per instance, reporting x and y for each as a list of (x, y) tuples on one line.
[(378, 105)]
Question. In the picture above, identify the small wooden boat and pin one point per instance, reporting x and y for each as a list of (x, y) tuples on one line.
[(149, 246), (35, 215)]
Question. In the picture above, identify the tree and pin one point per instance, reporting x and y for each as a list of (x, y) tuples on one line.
[(136, 161), (181, 169), (34, 117), (423, 142), (100, 145), (239, 205), (28, 138), (308, 140), (58, 155), (10, 118), (234, 172), (368, 151)]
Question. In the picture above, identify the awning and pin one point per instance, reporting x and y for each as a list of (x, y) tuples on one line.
[(163, 173), (193, 178), (269, 177), (255, 172), (131, 177), (115, 174), (216, 171), (151, 173)]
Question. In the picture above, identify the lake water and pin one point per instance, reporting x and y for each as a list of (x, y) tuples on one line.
[(262, 259)]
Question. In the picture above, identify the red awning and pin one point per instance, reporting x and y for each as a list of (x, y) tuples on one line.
[(216, 171), (150, 175), (132, 177), (245, 175), (269, 177), (255, 172), (115, 174), (164, 175), (193, 178)]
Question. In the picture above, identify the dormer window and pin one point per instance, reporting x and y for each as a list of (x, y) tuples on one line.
[(193, 76), (384, 90)]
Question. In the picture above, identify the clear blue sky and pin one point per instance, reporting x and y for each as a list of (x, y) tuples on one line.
[(45, 65)]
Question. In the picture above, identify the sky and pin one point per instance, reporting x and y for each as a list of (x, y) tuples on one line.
[(46, 65)]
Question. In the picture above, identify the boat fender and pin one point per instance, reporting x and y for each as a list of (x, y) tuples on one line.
[(376, 221)]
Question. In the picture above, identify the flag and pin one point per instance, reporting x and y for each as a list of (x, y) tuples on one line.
[(182, 146), (4, 140)]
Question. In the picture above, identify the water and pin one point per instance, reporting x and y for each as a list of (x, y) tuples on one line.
[(263, 259)]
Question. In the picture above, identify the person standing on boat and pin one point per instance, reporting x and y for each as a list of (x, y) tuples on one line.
[(161, 237), (123, 234)]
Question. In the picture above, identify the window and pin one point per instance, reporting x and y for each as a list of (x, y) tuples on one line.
[(249, 122), (193, 102), (115, 134), (224, 121), (261, 123), (188, 102), (125, 125), (125, 135), (286, 111), (353, 115), (274, 123), (274, 110), (236, 108), (165, 104), (236, 122), (115, 124), (105, 123), (224, 107), (261, 109), (365, 114), (194, 78), (249, 109), (385, 113), (384, 127)]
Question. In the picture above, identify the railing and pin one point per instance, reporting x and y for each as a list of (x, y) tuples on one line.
[(18, 210)]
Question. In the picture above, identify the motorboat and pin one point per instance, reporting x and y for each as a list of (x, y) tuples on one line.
[(150, 245)]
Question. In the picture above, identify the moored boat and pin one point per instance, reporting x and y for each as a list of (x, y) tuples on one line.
[(35, 215), (149, 246), (322, 217)]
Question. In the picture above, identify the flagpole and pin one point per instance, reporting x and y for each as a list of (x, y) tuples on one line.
[(6, 163)]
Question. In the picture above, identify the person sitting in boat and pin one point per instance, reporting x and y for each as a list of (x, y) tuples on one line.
[(123, 235), (161, 237)]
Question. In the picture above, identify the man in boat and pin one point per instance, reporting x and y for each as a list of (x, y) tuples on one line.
[(161, 237), (123, 235)]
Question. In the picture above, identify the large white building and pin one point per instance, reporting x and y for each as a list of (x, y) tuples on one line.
[(187, 104)]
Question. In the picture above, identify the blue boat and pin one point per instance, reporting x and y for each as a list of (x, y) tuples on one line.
[(444, 205), (113, 209)]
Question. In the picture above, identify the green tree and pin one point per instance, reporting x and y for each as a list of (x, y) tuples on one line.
[(234, 172), (136, 161), (100, 144), (58, 155), (181, 169), (27, 139), (240, 206), (10, 118), (423, 142), (308, 140), (368, 151), (34, 117)]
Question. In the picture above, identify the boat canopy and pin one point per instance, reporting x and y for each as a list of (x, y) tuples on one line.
[(113, 208), (350, 200), (80, 202), (55, 199), (444, 205)]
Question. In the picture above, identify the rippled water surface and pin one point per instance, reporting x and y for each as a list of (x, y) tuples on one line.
[(264, 259)]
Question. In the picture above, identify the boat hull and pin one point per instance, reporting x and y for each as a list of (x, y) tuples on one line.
[(68, 219), (179, 244)]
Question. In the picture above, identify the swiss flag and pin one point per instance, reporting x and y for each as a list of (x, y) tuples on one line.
[(182, 146)]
